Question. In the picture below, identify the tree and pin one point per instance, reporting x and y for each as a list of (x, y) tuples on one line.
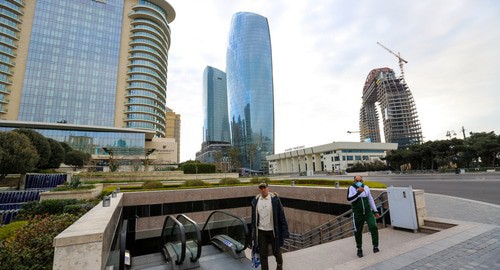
[(234, 155), (66, 147), (486, 145), (17, 154), (76, 159), (57, 154), (218, 155), (40, 143), (252, 154)]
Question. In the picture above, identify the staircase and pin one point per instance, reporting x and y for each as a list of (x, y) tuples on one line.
[(337, 228), (433, 226)]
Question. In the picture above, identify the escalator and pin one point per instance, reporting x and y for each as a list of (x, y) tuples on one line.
[(182, 245)]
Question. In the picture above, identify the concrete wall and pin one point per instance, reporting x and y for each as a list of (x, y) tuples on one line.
[(86, 243), (298, 220), (142, 176), (83, 194)]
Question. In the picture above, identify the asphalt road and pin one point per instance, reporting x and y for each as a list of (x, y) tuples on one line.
[(483, 187)]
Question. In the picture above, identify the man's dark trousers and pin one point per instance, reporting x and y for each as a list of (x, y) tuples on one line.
[(266, 238)]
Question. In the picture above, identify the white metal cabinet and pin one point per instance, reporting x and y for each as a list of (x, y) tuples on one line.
[(402, 207)]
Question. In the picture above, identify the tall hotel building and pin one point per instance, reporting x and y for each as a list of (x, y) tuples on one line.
[(216, 134), (93, 69), (249, 72)]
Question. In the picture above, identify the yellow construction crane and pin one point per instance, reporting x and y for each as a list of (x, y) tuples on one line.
[(398, 55)]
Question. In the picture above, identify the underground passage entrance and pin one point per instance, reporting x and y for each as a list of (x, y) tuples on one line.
[(220, 242)]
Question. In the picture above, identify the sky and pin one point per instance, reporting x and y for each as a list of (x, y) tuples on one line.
[(323, 51)]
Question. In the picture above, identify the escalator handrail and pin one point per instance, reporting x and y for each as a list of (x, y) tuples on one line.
[(123, 244), (244, 225), (198, 235), (182, 235)]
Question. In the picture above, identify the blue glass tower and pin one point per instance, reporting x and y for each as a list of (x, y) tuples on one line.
[(249, 72), (215, 123), (71, 73), (85, 62), (91, 73)]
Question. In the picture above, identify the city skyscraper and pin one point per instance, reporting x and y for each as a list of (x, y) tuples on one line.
[(215, 122), (216, 134), (249, 73), (88, 67), (85, 62), (399, 113)]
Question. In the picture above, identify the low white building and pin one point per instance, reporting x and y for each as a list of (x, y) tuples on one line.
[(332, 157)]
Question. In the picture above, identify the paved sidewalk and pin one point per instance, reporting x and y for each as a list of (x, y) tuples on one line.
[(478, 252), (481, 251), (462, 209), (474, 243)]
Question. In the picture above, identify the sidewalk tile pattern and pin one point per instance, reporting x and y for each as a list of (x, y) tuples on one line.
[(480, 252)]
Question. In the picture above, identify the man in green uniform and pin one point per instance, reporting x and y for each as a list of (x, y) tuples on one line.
[(363, 209)]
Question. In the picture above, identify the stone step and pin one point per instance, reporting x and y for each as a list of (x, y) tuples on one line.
[(438, 224), (429, 229), (432, 226)]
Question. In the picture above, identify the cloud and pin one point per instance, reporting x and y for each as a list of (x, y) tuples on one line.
[(322, 53)]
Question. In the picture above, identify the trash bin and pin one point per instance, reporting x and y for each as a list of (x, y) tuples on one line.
[(106, 201)]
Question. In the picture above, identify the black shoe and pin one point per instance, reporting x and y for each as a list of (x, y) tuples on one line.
[(375, 249), (360, 252)]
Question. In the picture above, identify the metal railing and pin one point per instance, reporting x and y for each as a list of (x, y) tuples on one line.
[(337, 228)]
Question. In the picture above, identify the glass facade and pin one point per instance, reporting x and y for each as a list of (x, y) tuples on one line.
[(250, 89), (148, 59), (215, 123), (72, 66), (92, 142)]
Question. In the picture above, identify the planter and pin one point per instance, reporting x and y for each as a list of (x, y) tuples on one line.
[(82, 194)]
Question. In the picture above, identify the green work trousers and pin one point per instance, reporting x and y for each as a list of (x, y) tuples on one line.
[(359, 221)]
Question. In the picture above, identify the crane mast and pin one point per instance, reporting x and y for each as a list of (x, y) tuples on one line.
[(400, 59)]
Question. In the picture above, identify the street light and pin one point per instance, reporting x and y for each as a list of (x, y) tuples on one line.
[(451, 133)]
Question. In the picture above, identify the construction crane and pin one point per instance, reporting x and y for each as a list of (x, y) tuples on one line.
[(398, 55), (359, 131)]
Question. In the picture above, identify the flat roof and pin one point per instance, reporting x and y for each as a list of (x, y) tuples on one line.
[(334, 146), (65, 126)]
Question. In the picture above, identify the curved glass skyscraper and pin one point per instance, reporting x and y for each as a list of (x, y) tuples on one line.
[(249, 73)]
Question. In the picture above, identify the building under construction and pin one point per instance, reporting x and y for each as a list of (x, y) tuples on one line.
[(399, 114)]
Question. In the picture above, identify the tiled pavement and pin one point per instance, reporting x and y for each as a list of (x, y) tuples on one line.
[(480, 252), (473, 244)]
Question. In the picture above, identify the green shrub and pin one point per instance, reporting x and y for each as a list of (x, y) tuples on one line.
[(69, 187), (53, 207), (28, 210), (257, 180), (106, 191), (152, 185), (31, 246), (77, 209), (75, 181), (229, 181), (9, 229), (194, 168), (194, 183)]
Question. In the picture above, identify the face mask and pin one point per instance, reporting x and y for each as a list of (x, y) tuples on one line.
[(359, 184)]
